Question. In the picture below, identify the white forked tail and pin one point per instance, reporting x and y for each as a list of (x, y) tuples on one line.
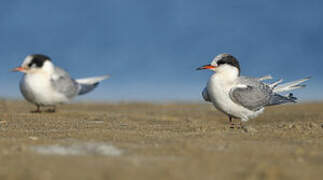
[(92, 80), (277, 87), (88, 84)]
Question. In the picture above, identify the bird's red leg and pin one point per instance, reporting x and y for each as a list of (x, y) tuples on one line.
[(37, 110), (232, 125)]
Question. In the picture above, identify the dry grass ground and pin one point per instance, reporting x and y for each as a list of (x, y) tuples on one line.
[(173, 141)]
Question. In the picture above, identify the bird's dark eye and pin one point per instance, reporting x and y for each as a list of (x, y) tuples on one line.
[(220, 62), (30, 65)]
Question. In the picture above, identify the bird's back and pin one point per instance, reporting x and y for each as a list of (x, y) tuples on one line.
[(63, 83)]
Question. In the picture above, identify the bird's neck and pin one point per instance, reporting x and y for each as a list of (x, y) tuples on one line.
[(227, 73)]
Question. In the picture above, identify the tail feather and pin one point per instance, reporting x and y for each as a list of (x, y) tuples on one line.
[(268, 77), (288, 86), (279, 99), (88, 84), (275, 84)]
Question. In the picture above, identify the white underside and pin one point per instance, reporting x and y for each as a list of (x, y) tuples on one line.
[(219, 88), (36, 88)]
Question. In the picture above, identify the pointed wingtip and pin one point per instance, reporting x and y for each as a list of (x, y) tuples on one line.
[(305, 79), (107, 76), (92, 80), (104, 77), (299, 86)]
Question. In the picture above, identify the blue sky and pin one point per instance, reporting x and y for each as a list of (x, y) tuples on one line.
[(151, 48)]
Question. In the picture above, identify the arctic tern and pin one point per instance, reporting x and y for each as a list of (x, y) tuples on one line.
[(44, 84), (243, 97)]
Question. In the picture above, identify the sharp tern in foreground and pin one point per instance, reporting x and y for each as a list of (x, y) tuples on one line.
[(45, 84), (243, 97)]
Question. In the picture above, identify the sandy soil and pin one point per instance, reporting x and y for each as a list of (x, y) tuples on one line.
[(151, 141)]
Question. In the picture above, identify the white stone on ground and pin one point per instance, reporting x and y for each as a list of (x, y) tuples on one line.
[(78, 149)]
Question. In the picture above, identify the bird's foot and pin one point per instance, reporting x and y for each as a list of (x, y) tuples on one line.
[(36, 111), (236, 126), (51, 110)]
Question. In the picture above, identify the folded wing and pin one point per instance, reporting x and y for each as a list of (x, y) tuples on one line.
[(205, 95), (254, 94), (63, 83), (252, 97)]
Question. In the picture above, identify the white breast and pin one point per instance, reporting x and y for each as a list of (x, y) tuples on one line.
[(219, 89), (36, 88)]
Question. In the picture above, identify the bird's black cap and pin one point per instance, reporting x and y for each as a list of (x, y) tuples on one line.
[(38, 60)]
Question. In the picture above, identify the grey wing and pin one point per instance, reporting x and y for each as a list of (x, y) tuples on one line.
[(63, 83), (252, 94), (205, 95)]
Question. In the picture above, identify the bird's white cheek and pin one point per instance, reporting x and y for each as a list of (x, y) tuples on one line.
[(48, 67), (32, 71)]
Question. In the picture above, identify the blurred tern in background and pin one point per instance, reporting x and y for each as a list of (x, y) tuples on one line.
[(45, 84), (243, 97)]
